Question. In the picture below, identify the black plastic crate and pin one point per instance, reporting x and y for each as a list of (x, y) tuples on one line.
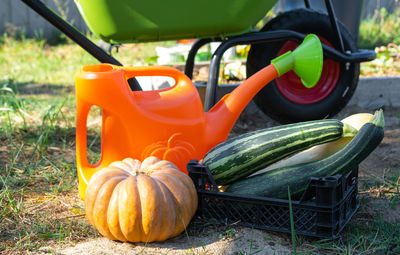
[(322, 211)]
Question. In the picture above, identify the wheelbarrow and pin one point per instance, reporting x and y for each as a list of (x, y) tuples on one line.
[(231, 22)]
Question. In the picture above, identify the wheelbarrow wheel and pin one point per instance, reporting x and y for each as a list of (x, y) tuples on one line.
[(285, 99)]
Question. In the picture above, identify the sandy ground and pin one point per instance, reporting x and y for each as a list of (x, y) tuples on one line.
[(245, 241), (241, 240)]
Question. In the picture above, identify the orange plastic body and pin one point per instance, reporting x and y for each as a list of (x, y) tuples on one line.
[(168, 123)]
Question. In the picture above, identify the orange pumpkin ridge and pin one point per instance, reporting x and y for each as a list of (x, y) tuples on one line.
[(113, 215), (130, 211), (101, 206)]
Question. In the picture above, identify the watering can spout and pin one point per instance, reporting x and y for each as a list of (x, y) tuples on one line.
[(305, 61)]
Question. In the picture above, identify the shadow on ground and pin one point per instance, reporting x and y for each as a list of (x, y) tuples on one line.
[(33, 88)]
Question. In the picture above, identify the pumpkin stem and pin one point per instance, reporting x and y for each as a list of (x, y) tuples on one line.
[(141, 172)]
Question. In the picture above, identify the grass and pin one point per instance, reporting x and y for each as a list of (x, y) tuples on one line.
[(37, 157), (30, 60), (37, 174), (380, 29), (39, 206)]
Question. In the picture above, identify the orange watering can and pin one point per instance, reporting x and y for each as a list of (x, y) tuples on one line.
[(169, 123)]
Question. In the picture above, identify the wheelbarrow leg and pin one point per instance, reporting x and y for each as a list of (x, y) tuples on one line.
[(192, 54), (334, 24)]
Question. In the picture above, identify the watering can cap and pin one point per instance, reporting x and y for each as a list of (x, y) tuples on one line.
[(306, 61)]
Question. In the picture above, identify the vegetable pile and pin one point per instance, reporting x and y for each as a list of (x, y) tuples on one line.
[(152, 200), (233, 161)]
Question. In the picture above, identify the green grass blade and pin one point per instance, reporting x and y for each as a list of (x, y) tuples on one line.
[(292, 231)]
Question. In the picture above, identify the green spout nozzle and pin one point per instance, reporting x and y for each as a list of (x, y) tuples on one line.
[(306, 61)]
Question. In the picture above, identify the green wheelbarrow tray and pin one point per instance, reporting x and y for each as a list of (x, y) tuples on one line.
[(119, 21)]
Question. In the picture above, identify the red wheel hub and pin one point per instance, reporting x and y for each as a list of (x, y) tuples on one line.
[(290, 84)]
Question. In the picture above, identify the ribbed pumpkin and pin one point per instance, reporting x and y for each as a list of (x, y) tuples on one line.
[(140, 202)]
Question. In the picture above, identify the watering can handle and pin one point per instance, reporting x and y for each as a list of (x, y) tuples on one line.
[(132, 71), (83, 109)]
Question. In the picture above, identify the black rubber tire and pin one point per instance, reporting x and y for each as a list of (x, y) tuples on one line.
[(276, 105)]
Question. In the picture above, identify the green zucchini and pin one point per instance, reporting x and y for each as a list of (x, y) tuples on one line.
[(275, 182), (324, 150), (243, 155)]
